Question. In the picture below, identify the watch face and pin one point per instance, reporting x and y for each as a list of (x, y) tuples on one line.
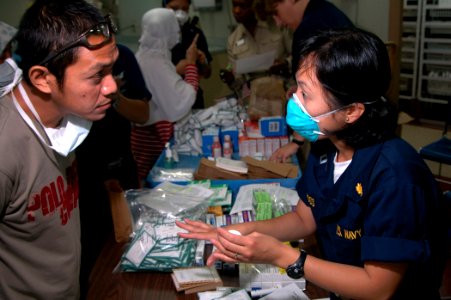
[(295, 271)]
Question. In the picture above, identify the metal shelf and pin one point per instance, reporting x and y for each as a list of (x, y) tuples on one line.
[(434, 68), (410, 49)]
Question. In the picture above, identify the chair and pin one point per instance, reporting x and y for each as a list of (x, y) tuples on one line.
[(440, 150)]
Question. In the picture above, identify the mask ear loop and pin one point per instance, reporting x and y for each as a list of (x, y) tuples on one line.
[(298, 103), (24, 115)]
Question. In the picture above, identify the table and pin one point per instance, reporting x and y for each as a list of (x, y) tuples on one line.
[(154, 285)]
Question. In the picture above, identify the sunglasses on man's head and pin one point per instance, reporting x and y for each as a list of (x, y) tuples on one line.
[(94, 38)]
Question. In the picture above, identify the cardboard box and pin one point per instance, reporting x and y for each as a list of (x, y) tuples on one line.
[(273, 126), (270, 169)]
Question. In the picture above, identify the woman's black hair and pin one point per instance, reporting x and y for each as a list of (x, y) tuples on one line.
[(353, 66)]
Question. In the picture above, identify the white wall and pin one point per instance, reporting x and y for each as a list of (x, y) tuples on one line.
[(12, 10), (130, 13), (371, 15)]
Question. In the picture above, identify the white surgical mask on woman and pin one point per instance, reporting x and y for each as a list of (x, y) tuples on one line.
[(182, 16)]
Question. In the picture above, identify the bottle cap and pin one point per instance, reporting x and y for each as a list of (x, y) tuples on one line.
[(168, 153)]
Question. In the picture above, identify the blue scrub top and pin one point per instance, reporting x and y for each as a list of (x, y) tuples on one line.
[(318, 15), (385, 207)]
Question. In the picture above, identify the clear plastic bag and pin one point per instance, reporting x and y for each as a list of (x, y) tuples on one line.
[(267, 205), (155, 244), (172, 175)]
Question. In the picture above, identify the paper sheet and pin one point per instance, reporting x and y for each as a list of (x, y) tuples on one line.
[(289, 292), (140, 248), (255, 63), (193, 275)]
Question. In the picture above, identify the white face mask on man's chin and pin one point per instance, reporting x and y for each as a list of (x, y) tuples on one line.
[(69, 135), (64, 139)]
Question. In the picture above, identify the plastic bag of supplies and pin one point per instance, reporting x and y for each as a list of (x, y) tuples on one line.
[(155, 245)]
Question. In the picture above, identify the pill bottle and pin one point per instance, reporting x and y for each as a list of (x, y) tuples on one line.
[(216, 148)]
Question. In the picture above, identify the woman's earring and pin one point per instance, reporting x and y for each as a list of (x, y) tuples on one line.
[(347, 120)]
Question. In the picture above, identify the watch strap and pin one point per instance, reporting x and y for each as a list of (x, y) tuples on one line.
[(296, 270)]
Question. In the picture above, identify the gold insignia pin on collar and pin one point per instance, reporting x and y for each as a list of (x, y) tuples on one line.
[(359, 189), (311, 200)]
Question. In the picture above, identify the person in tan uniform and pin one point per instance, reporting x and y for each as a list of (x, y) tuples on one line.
[(253, 36)]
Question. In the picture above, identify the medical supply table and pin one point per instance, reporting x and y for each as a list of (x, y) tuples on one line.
[(104, 284), (189, 162)]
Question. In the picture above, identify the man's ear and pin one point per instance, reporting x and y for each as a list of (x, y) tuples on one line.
[(41, 78), (354, 112)]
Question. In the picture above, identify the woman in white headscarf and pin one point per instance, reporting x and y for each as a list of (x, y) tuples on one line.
[(172, 96)]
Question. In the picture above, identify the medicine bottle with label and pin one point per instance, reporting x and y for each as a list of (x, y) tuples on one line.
[(243, 144), (216, 148), (228, 139), (227, 151)]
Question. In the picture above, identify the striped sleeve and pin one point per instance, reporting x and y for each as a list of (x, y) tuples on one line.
[(148, 143), (192, 76)]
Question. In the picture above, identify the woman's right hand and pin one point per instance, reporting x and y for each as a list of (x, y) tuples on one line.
[(284, 153), (191, 52), (181, 66)]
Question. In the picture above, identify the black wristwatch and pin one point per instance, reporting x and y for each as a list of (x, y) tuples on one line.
[(296, 270), (298, 142)]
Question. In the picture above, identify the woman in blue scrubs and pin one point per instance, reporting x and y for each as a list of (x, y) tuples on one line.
[(372, 202)]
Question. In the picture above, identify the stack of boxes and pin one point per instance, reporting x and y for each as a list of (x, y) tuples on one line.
[(258, 139)]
